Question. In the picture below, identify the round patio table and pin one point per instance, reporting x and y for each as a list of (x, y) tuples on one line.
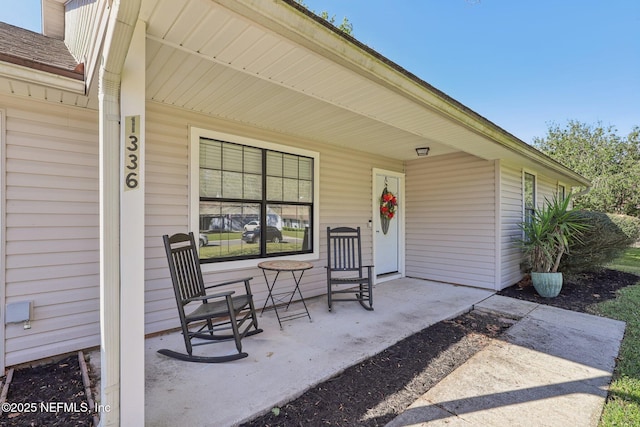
[(281, 297)]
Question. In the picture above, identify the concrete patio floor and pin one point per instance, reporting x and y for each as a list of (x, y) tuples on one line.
[(551, 368), (282, 364)]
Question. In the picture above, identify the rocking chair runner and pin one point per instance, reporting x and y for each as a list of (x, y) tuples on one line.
[(345, 267), (209, 313)]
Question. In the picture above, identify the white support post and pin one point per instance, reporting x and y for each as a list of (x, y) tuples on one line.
[(122, 18), (109, 248), (132, 189), (3, 212)]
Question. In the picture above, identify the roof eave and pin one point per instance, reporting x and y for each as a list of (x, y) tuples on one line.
[(454, 109), (43, 77)]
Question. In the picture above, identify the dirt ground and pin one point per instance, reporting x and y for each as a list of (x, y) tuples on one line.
[(47, 395), (370, 393)]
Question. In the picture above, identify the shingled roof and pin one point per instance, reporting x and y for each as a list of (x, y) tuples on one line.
[(29, 49)]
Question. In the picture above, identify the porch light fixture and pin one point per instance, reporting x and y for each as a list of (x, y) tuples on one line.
[(422, 151)]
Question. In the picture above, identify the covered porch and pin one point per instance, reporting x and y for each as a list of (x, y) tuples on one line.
[(282, 364)]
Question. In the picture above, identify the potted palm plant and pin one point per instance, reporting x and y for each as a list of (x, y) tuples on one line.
[(548, 235)]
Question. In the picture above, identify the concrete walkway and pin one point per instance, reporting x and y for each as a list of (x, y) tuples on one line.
[(553, 368)]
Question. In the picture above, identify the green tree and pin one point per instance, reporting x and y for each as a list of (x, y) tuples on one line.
[(610, 161), (345, 26)]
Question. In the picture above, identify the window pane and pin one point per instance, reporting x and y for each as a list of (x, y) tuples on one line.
[(274, 164), (252, 160), (231, 185), (232, 157), (290, 166), (210, 183), (274, 189), (290, 190), (295, 229), (529, 191), (222, 225), (252, 187), (529, 196), (306, 192), (306, 169), (210, 154)]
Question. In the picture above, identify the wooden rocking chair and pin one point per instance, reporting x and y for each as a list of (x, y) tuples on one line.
[(208, 314), (345, 267)]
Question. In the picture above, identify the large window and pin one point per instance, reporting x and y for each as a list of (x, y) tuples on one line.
[(529, 196), (254, 202)]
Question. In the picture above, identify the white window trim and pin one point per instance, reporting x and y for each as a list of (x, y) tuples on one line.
[(194, 196)]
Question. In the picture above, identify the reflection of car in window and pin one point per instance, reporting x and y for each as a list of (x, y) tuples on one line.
[(273, 235), (204, 240), (250, 226)]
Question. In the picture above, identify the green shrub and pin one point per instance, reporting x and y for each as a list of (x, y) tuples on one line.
[(629, 225), (608, 235)]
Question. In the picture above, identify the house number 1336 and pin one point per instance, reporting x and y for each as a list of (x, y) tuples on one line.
[(132, 153)]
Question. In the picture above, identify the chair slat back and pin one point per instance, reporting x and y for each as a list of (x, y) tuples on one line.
[(344, 249), (184, 266)]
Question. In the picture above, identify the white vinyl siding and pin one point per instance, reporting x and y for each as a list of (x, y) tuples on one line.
[(52, 217), (84, 25), (547, 190), (52, 222), (345, 199), (511, 212), (53, 22), (511, 215), (450, 220)]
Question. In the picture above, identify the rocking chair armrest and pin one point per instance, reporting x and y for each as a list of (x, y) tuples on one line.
[(210, 296)]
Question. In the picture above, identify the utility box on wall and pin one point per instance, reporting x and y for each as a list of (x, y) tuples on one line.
[(18, 312)]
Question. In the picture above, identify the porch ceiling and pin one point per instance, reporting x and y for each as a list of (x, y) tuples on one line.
[(204, 57), (267, 65)]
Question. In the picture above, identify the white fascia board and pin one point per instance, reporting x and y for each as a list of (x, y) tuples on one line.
[(41, 78)]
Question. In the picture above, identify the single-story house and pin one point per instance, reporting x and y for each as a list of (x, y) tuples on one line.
[(129, 119)]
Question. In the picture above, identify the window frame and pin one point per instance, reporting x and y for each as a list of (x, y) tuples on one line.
[(194, 194)]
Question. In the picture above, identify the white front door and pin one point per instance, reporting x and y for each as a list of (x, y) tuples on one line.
[(388, 224)]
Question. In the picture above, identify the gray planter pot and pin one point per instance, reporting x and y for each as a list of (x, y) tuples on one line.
[(548, 285)]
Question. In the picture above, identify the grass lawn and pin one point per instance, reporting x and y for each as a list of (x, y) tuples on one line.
[(623, 406), (221, 244), (629, 261)]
